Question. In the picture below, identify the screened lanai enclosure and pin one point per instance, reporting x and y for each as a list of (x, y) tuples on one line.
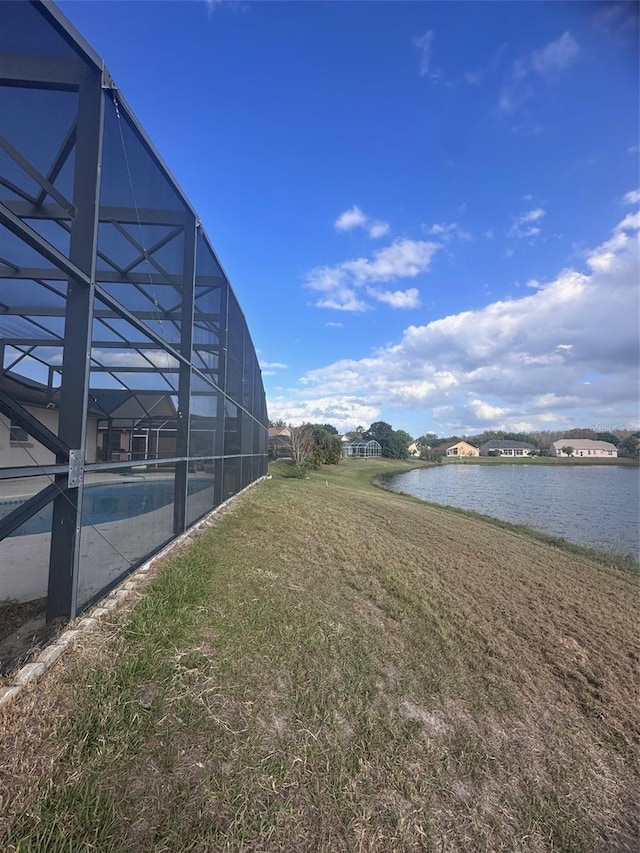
[(361, 449), (131, 400)]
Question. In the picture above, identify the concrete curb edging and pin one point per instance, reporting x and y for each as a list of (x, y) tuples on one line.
[(33, 670)]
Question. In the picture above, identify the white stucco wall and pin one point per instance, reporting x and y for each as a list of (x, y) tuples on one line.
[(13, 455)]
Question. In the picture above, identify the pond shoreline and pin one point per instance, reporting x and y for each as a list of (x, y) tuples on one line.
[(607, 558)]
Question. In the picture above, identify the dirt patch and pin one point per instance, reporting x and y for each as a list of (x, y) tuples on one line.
[(23, 632), (432, 720), (13, 614)]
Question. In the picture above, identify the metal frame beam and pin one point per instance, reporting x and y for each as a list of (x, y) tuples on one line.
[(47, 72), (15, 412), (184, 381), (32, 471), (84, 300), (26, 166), (23, 513), (36, 241), (74, 389), (108, 214)]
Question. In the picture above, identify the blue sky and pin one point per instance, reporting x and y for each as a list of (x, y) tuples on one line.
[(428, 211)]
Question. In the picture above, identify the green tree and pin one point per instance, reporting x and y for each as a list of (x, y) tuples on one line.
[(610, 437), (355, 434), (330, 429), (429, 439), (393, 446), (403, 440), (630, 446), (327, 448), (567, 449)]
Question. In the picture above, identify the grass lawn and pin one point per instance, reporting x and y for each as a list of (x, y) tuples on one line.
[(333, 667)]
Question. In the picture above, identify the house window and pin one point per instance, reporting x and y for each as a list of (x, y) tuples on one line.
[(17, 434)]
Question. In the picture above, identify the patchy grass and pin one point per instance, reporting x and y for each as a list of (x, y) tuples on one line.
[(336, 667)]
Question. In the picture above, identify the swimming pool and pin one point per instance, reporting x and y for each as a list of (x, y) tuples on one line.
[(104, 502)]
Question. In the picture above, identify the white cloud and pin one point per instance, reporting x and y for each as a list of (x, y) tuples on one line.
[(355, 218), (334, 325), (344, 412), (475, 77), (606, 256), (556, 56), (488, 234), (633, 149), (546, 63), (273, 365), (378, 229), (485, 411), (524, 224), (349, 219), (228, 5), (340, 284), (565, 354), (448, 230), (127, 358), (397, 298), (632, 197), (423, 43), (342, 299), (272, 368)]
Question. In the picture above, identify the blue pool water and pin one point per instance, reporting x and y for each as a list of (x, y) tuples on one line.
[(104, 502)]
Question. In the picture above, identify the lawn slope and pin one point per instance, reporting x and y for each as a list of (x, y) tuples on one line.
[(335, 667)]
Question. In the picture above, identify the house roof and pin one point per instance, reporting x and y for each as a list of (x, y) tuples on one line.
[(279, 432), (507, 444), (30, 392), (583, 444), (449, 444), (114, 403)]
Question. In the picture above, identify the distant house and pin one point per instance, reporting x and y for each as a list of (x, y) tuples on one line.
[(457, 448), (504, 447), (361, 449), (413, 449), (584, 447), (279, 442)]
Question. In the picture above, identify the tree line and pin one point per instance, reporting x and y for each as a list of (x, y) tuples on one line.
[(312, 445), (626, 441)]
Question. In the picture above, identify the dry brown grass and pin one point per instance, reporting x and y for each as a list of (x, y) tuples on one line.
[(339, 668)]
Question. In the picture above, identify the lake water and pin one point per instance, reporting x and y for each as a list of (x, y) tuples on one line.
[(595, 506)]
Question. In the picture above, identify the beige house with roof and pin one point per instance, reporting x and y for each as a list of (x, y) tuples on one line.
[(584, 447), (457, 448)]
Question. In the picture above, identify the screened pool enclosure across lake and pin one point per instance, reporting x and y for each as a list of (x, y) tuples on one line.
[(131, 400)]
